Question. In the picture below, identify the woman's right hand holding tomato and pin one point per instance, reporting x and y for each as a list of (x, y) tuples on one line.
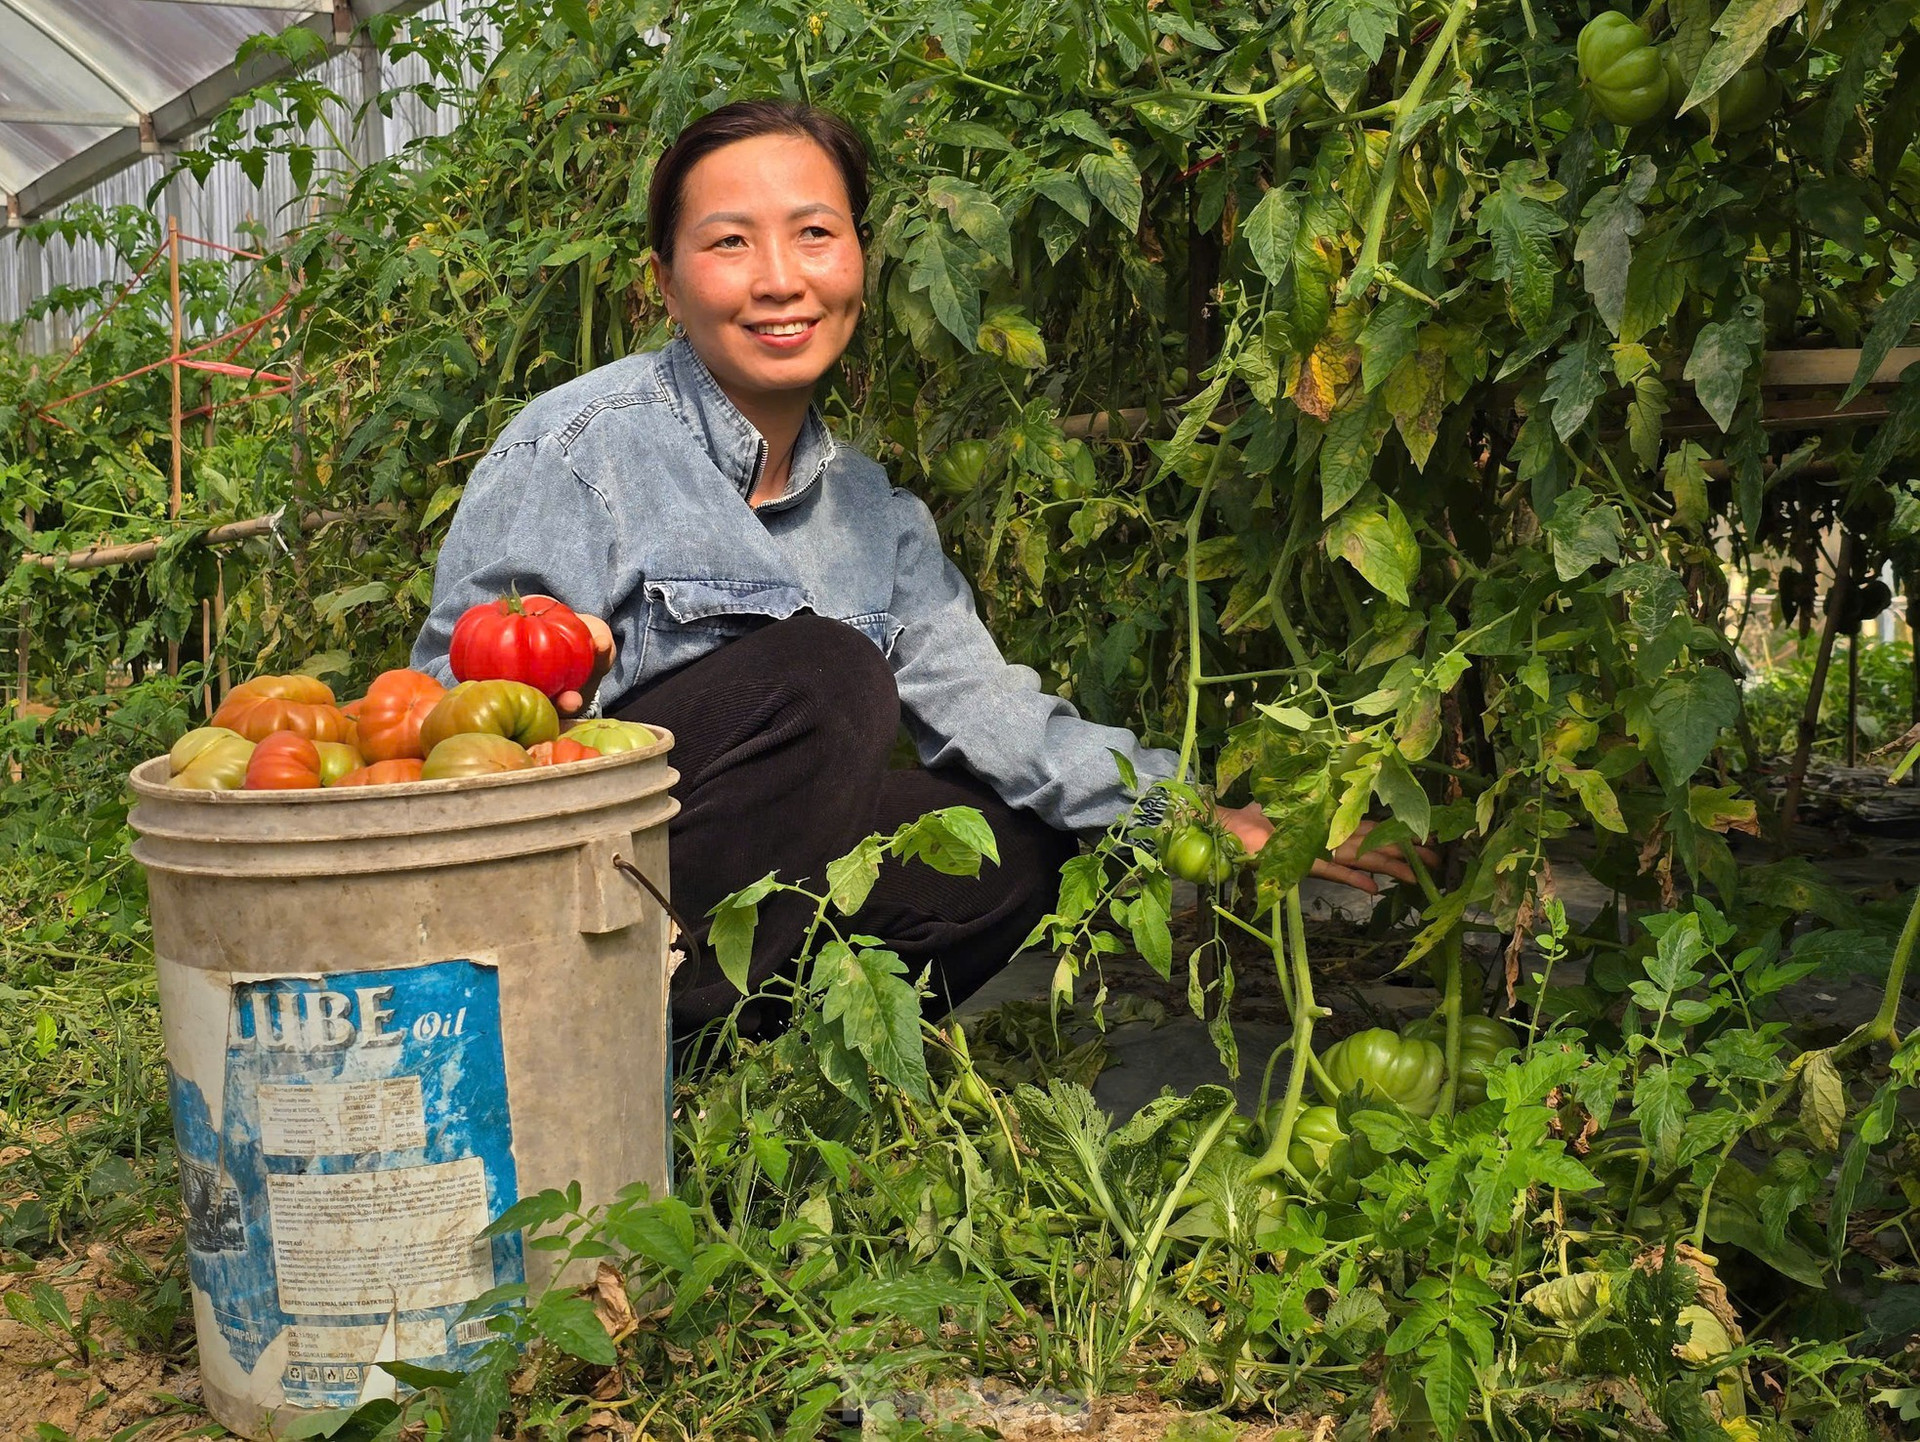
[(572, 702)]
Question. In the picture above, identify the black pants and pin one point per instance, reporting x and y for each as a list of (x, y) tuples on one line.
[(782, 739)]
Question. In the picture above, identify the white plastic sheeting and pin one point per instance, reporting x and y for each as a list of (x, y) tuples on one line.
[(162, 45)]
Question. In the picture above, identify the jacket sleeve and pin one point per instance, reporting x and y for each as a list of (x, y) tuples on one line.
[(530, 522), (965, 703)]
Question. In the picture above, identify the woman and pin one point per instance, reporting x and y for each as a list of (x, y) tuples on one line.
[(770, 598)]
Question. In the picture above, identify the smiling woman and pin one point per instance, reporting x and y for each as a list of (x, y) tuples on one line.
[(763, 592)]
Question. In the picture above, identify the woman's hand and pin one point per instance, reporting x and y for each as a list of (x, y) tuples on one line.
[(1352, 864), (570, 703)]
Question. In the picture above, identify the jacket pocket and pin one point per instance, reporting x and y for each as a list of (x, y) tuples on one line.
[(878, 627), (690, 616)]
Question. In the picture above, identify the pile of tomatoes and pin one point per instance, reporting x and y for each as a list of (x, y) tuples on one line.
[(509, 657)]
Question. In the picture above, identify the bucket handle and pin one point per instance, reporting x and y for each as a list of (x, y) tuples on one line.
[(621, 863)]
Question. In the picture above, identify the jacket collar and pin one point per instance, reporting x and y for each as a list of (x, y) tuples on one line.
[(737, 448)]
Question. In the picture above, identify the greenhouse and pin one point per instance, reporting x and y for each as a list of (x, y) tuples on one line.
[(805, 718)]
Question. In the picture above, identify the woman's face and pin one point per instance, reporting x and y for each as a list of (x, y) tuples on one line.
[(767, 270)]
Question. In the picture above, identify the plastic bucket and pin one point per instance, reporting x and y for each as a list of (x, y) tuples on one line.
[(389, 1013)]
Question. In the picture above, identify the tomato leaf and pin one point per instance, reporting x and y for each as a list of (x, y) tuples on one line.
[(941, 267), (1890, 326), (851, 877), (865, 996), (1689, 713), (1147, 921), (1521, 229), (1375, 539), (953, 840), (1114, 181), (1722, 354), (1743, 28), (1604, 249), (1270, 231), (731, 934), (570, 1323)]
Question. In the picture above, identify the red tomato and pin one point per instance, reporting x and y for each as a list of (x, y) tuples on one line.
[(532, 639), (559, 753), (283, 761), (473, 754), (392, 711), (266, 704), (383, 773)]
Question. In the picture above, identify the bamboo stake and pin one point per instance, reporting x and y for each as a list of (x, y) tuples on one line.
[(1816, 689), (173, 369), (220, 625), (206, 656), (25, 638), (1853, 699)]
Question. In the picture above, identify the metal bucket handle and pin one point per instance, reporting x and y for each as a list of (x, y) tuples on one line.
[(687, 936)]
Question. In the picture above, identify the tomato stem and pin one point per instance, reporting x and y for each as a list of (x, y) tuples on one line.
[(1305, 1013)]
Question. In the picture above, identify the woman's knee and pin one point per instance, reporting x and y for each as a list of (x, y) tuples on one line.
[(842, 678)]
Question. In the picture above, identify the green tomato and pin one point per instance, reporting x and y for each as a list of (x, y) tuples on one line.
[(1316, 1132), (1191, 855), (1076, 479), (212, 762), (610, 736), (1482, 1038), (960, 468), (1748, 100), (1388, 1067), (1622, 69), (336, 760)]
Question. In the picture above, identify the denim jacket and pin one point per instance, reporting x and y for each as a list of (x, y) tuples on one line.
[(624, 493)]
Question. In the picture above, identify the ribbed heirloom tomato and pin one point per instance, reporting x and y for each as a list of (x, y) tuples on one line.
[(284, 761), (392, 711), (473, 754), (301, 704), (383, 773), (210, 758), (531, 639), (1622, 69), (1389, 1066), (1482, 1038), (336, 760), (560, 752), (501, 708), (610, 737)]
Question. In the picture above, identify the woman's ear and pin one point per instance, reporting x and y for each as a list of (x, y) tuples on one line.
[(663, 282)]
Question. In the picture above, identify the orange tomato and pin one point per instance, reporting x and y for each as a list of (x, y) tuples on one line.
[(391, 714), (266, 704), (383, 773), (560, 752)]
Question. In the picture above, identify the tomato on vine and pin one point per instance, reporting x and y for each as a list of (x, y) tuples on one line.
[(1192, 856), (1622, 69), (959, 469)]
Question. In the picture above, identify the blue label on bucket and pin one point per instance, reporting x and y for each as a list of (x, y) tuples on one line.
[(363, 1143)]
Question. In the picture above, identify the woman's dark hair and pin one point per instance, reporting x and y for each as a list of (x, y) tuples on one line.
[(743, 120)]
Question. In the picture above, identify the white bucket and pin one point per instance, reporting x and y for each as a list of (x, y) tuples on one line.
[(389, 1013)]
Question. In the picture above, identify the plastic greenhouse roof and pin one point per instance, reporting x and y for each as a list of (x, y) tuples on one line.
[(89, 86)]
